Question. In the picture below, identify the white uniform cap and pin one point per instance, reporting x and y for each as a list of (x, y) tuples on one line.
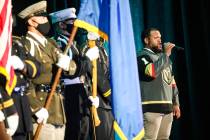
[(34, 10), (69, 13), (92, 36)]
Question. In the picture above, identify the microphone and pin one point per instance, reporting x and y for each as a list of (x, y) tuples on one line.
[(178, 48)]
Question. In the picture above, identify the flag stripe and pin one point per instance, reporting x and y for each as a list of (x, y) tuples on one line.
[(6, 44), (119, 131), (3, 13)]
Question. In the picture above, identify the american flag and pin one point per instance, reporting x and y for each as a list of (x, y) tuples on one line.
[(6, 44)]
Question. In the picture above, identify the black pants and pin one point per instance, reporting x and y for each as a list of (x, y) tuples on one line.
[(25, 127), (79, 124), (105, 130)]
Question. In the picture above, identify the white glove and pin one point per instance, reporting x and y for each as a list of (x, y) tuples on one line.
[(63, 61), (94, 100), (2, 117), (92, 53), (42, 115), (13, 121), (16, 62)]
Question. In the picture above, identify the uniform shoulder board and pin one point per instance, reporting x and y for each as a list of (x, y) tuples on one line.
[(16, 39), (18, 46)]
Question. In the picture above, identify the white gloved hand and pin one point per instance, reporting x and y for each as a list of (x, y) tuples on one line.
[(2, 117), (94, 100), (42, 115), (63, 61), (13, 121), (16, 62), (92, 53)]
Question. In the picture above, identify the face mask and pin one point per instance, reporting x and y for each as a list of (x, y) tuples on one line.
[(69, 27), (44, 28)]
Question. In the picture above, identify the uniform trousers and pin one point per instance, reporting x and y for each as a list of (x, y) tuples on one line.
[(157, 126)]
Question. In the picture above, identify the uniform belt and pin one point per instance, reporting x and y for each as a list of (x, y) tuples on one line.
[(71, 81), (57, 125), (47, 88), (20, 90)]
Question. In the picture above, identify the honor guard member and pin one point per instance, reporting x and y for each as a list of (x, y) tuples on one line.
[(46, 52), (26, 68), (74, 94), (62, 22), (105, 130)]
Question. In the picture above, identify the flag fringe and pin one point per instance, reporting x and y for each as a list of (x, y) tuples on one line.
[(122, 136)]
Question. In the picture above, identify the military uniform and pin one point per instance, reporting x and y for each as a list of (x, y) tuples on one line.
[(105, 130), (40, 86), (47, 54), (6, 102), (32, 68), (74, 92), (7, 107)]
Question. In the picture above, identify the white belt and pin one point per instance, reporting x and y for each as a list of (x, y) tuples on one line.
[(71, 81)]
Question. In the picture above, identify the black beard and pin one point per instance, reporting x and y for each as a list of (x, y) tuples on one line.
[(156, 50)]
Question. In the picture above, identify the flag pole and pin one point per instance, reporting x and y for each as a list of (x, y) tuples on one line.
[(94, 92), (55, 83)]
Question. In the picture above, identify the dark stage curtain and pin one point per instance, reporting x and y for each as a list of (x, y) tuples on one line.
[(186, 23)]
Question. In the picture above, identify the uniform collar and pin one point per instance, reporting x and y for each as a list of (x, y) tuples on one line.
[(63, 36), (39, 38)]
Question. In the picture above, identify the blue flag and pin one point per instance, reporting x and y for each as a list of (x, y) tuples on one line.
[(111, 19), (94, 16)]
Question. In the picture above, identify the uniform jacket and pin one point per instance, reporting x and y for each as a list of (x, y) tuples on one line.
[(32, 67), (46, 54), (103, 83)]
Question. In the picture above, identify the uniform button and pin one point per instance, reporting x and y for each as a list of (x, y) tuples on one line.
[(41, 98), (21, 76)]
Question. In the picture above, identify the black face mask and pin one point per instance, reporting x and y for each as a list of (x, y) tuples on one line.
[(69, 27), (44, 28)]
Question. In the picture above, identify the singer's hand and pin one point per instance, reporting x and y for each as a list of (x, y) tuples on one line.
[(168, 47)]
